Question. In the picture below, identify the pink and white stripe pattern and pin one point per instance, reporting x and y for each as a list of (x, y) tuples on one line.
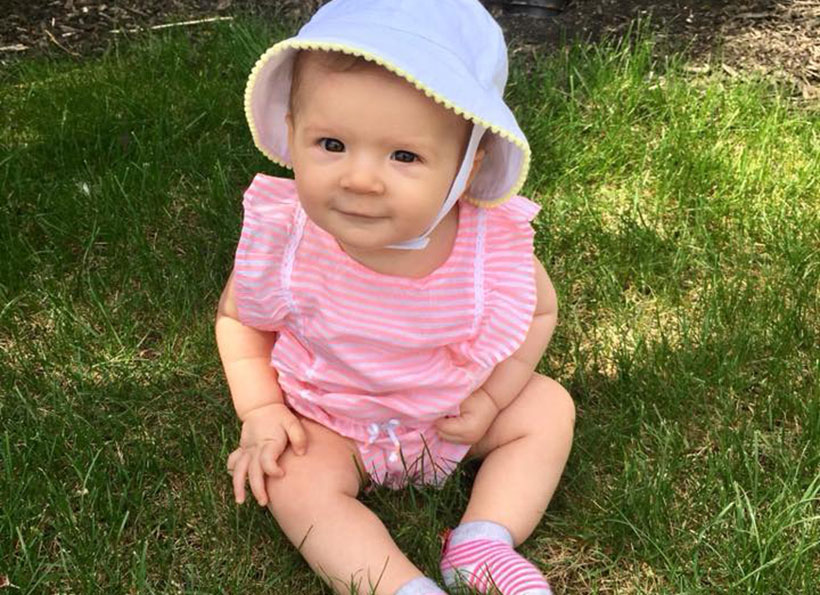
[(492, 566), (362, 352)]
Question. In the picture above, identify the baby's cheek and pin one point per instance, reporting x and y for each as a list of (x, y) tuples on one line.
[(313, 203)]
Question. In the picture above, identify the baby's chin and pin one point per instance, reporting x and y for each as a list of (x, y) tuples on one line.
[(369, 241), (363, 238), (366, 245), (369, 234)]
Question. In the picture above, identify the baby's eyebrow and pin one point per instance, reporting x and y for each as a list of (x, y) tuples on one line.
[(414, 146), (418, 144), (312, 130)]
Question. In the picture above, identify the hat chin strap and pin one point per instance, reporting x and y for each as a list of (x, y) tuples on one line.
[(456, 190)]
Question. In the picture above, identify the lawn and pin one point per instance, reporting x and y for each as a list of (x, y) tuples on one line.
[(681, 228)]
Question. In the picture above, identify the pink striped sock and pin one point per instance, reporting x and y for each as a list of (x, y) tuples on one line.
[(480, 555)]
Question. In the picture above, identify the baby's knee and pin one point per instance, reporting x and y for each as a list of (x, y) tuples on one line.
[(291, 500), (550, 401), (310, 483), (563, 405), (286, 494)]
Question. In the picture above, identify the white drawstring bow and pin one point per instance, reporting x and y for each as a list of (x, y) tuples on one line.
[(389, 428)]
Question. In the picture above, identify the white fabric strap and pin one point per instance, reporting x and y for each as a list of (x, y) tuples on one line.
[(457, 188)]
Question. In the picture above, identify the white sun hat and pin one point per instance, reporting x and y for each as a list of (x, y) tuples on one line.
[(451, 50)]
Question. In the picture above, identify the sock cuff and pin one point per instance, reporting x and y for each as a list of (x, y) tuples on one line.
[(480, 530), (421, 585)]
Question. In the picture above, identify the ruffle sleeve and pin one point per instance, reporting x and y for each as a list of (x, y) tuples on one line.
[(262, 298), (509, 295)]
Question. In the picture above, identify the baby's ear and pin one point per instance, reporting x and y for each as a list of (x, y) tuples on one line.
[(479, 157)]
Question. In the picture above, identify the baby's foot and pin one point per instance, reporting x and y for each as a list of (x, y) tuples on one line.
[(480, 555)]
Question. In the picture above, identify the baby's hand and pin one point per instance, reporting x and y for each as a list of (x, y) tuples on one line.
[(476, 413), (266, 432)]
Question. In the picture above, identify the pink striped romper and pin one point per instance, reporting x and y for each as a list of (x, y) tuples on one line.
[(378, 358)]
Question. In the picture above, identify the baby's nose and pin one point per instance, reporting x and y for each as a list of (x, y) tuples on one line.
[(362, 178)]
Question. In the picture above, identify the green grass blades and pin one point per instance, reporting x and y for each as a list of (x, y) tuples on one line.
[(680, 228)]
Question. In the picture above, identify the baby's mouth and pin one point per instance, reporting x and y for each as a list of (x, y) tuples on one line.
[(360, 216)]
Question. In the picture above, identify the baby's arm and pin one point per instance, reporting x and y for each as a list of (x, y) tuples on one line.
[(510, 376), (245, 354), (267, 423)]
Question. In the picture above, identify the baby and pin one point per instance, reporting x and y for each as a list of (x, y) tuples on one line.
[(386, 313)]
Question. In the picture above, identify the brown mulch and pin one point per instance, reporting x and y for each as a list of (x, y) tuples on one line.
[(779, 38), (776, 37)]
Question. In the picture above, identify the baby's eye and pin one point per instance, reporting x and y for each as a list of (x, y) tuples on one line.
[(405, 156), (331, 144)]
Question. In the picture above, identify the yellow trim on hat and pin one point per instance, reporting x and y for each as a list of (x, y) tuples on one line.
[(337, 47)]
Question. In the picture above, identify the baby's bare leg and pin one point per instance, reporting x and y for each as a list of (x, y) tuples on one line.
[(340, 538), (524, 451)]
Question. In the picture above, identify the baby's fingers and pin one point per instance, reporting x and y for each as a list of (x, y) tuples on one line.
[(296, 435), (460, 430), (268, 457), (454, 438), (256, 477), (450, 425), (240, 473), (233, 458)]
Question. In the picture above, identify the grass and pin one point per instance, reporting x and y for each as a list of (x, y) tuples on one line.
[(680, 227)]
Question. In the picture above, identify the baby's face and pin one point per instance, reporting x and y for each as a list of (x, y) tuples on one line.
[(373, 157)]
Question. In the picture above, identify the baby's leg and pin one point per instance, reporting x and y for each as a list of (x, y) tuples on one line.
[(315, 505), (524, 451)]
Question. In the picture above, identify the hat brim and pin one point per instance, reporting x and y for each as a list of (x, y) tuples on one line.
[(507, 153)]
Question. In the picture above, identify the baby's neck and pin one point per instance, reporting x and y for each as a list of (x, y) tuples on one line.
[(412, 263)]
